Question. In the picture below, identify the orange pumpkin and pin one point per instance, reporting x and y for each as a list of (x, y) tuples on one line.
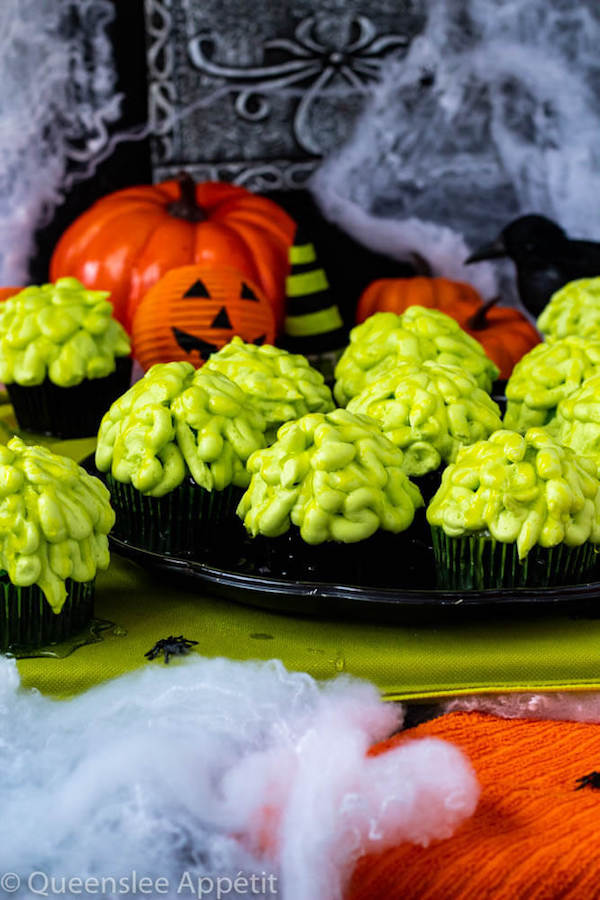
[(503, 331), (194, 310), (6, 292), (127, 240)]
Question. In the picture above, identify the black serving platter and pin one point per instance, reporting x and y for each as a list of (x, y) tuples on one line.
[(235, 573)]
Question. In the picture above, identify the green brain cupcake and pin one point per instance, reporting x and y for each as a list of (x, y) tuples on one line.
[(544, 377), (385, 340), (54, 521), (515, 510), (63, 357), (330, 481), (429, 411), (573, 310), (174, 448), (284, 386)]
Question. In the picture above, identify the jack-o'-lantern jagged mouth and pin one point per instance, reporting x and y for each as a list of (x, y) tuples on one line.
[(190, 342)]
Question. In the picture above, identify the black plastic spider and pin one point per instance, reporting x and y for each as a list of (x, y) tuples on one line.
[(171, 646), (592, 780)]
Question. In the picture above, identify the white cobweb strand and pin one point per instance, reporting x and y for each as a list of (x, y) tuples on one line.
[(574, 706), (443, 248), (505, 122), (57, 94), (213, 766)]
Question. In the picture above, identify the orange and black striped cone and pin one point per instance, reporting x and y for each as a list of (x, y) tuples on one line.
[(313, 324)]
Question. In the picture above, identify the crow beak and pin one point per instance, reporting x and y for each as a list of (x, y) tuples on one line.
[(489, 251)]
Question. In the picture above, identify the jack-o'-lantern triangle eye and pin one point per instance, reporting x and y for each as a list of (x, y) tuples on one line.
[(221, 320), (248, 293), (198, 290), (259, 341)]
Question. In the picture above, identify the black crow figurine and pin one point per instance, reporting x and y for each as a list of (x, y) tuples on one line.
[(545, 258)]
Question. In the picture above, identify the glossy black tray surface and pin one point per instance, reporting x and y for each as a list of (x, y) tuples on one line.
[(234, 570)]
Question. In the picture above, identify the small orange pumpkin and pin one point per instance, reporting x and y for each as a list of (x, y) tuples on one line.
[(6, 292), (194, 310), (503, 331)]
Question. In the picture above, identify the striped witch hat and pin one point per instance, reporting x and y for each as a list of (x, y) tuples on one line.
[(313, 324)]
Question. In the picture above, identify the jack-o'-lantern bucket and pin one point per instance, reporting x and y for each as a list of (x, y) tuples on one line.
[(195, 310)]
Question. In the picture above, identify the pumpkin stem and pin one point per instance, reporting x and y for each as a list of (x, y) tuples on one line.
[(186, 207), (478, 321)]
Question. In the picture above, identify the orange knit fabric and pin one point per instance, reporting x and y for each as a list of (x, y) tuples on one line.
[(532, 836)]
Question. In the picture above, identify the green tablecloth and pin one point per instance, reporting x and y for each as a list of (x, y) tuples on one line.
[(404, 662), (549, 652)]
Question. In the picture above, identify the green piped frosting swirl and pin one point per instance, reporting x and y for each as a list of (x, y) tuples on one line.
[(385, 340), (284, 386), (333, 475), (578, 420), (178, 420), (61, 331), (376, 346), (453, 346), (525, 489), (429, 411), (54, 520), (574, 309), (545, 376)]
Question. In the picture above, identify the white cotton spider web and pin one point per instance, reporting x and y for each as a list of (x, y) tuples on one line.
[(494, 112), (57, 100), (216, 768)]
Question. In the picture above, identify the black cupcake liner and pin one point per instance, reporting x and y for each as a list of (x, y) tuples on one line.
[(188, 521), (376, 560), (69, 412), (27, 620), (479, 562)]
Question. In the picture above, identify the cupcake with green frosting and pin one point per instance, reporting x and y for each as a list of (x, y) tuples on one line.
[(174, 450), (321, 495), (385, 341), (54, 521), (429, 412), (573, 310), (515, 510), (63, 357), (544, 377), (284, 386)]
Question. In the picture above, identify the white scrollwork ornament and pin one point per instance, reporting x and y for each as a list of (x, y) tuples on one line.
[(313, 66)]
